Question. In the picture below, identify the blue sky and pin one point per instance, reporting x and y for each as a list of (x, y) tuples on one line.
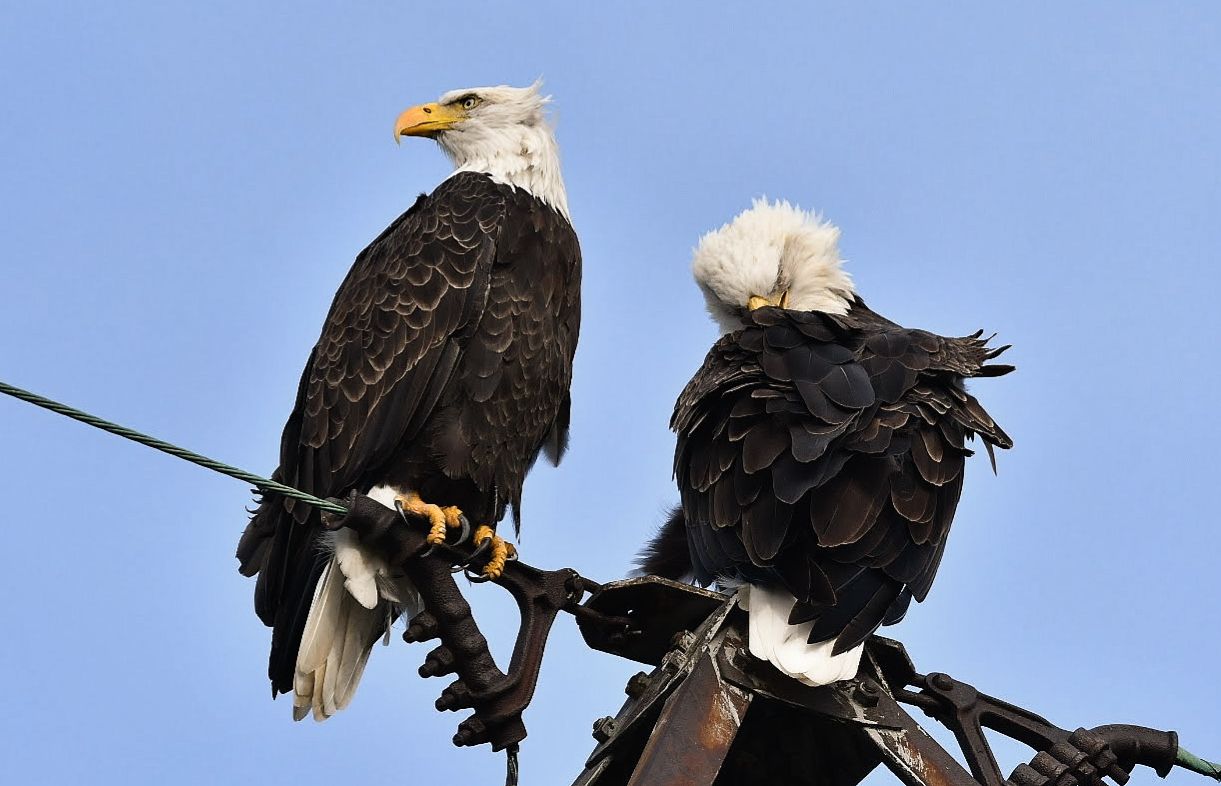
[(186, 184)]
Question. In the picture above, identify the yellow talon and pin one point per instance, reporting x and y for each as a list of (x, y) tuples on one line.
[(439, 518), (501, 551)]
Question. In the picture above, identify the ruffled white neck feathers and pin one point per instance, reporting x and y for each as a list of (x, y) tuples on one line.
[(776, 251), (509, 138)]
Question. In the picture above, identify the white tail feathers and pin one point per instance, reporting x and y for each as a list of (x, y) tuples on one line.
[(774, 640), (354, 603), (339, 635)]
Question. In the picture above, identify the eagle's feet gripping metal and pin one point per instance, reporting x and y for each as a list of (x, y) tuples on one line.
[(497, 697), (495, 549), (440, 519)]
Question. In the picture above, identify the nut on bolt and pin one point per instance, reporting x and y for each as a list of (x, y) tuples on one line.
[(438, 663), (638, 684), (604, 728), (867, 694), (470, 732), (682, 641), (455, 697), (423, 627), (942, 681)]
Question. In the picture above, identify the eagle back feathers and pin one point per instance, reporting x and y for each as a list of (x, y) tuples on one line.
[(446, 359), (824, 454)]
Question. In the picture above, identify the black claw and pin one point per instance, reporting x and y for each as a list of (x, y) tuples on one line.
[(466, 530), (479, 553), (476, 578)]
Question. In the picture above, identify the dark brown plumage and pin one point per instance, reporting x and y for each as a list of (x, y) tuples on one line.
[(824, 454), (443, 367)]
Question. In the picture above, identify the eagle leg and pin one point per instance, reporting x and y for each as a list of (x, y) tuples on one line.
[(440, 519), (502, 551)]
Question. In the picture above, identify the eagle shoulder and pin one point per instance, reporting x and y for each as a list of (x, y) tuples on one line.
[(825, 453), (388, 343)]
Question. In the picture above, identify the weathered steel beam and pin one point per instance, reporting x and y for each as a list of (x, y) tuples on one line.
[(694, 733)]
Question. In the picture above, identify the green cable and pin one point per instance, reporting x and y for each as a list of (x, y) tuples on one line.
[(1190, 761), (261, 483)]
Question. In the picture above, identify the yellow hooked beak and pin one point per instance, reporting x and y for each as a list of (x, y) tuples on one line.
[(427, 120), (776, 299)]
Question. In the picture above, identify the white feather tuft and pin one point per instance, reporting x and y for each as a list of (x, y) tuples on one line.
[(356, 599), (773, 639), (770, 248), (360, 569), (384, 494)]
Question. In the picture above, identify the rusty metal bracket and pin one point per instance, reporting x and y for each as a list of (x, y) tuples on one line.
[(709, 714), (1084, 756), (712, 715), (497, 697)]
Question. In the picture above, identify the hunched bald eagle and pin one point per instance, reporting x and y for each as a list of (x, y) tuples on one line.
[(442, 370), (820, 446)]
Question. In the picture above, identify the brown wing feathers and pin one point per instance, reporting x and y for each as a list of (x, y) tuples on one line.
[(387, 347), (825, 454)]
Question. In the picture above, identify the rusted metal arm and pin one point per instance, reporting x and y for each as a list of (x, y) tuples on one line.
[(768, 728), (1085, 755), (498, 698), (709, 714)]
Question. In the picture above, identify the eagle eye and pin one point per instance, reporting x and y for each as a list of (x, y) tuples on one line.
[(470, 102)]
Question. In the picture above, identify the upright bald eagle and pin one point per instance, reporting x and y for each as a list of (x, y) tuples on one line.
[(442, 371), (820, 446)]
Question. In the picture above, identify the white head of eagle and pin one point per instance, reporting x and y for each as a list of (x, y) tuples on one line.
[(773, 254), (501, 131)]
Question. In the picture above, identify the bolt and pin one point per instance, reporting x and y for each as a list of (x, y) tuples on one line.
[(638, 684), (422, 628), (604, 728), (682, 640), (455, 697), (867, 694), (438, 663), (470, 732), (942, 681)]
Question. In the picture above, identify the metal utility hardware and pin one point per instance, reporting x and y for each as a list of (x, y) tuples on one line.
[(708, 713)]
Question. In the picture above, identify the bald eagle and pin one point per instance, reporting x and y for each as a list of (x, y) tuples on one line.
[(820, 448), (443, 369)]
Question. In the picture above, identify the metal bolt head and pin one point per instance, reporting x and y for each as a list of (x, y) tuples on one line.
[(682, 641), (867, 694), (604, 728), (638, 684), (470, 732), (423, 627), (438, 663), (455, 697), (942, 681)]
